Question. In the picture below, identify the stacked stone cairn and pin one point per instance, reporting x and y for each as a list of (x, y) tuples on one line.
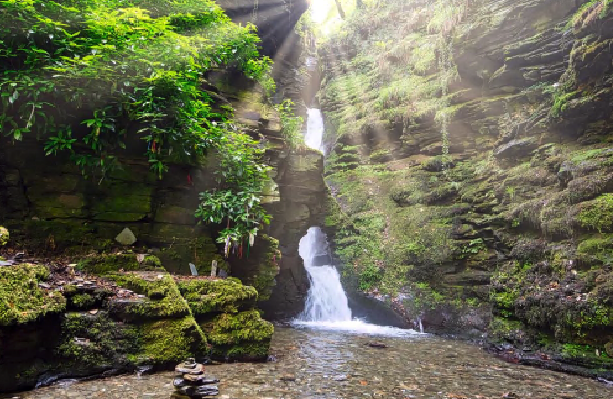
[(191, 382)]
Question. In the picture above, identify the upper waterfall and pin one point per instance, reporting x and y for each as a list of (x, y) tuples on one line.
[(315, 129)]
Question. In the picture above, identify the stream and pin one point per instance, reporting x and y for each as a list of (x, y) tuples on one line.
[(320, 363)]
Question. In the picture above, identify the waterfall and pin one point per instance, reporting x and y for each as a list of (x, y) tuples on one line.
[(315, 129), (326, 299), (327, 305)]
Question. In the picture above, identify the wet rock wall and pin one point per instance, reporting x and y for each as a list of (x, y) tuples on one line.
[(476, 187)]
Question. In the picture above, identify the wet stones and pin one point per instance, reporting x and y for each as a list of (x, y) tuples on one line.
[(191, 381)]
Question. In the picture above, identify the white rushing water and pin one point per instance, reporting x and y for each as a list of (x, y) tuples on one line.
[(315, 129), (327, 306), (326, 299)]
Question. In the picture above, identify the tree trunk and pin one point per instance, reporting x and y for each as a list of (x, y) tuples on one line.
[(339, 7)]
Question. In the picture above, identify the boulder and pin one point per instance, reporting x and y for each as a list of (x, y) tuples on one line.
[(516, 148)]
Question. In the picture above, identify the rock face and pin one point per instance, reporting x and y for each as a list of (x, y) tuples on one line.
[(115, 314), (476, 187), (51, 208), (275, 20)]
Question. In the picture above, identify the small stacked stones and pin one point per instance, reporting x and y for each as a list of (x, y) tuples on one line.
[(191, 382)]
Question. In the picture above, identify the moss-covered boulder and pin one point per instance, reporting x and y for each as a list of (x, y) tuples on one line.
[(167, 342), (160, 297), (240, 336), (216, 296), (94, 342), (22, 300), (120, 320), (4, 236)]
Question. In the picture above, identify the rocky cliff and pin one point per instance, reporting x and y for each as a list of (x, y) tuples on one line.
[(471, 160), (51, 208)]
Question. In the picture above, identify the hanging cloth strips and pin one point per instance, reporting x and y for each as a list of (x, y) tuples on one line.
[(227, 248)]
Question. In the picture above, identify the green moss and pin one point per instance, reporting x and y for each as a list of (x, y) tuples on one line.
[(229, 328), (21, 299), (369, 278), (51, 206), (4, 236), (502, 329), (585, 155), (81, 301), (560, 103), (586, 13), (65, 234), (102, 264), (243, 335), (263, 278), (153, 261), (123, 202), (599, 248), (505, 299), (243, 351), (95, 341), (170, 341), (215, 296), (576, 351), (598, 214), (163, 297)]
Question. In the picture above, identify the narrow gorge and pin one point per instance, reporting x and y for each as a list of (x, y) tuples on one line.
[(312, 198)]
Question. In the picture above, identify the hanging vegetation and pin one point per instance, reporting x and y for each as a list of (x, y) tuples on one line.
[(91, 79)]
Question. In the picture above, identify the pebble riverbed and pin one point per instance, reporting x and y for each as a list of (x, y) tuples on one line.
[(331, 364)]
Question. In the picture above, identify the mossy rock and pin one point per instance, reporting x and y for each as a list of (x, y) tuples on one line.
[(598, 214), (163, 297), (261, 267), (52, 206), (64, 234), (596, 249), (502, 330), (215, 296), (81, 301), (104, 264), (242, 336), (21, 298), (85, 297), (95, 342), (168, 342), (4, 236), (124, 202), (264, 279)]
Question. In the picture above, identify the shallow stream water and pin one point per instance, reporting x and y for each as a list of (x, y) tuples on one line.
[(321, 363)]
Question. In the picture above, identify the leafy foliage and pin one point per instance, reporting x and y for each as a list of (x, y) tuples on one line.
[(133, 69), (291, 124), (95, 79), (241, 179)]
